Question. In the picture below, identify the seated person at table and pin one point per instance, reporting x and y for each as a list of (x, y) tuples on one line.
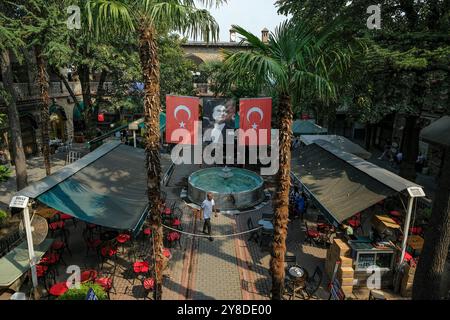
[(348, 231)]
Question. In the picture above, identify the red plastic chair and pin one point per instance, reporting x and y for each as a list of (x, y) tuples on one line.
[(149, 286), (66, 217), (58, 289), (312, 236), (122, 239), (416, 231), (88, 276), (140, 268), (173, 238), (176, 223)]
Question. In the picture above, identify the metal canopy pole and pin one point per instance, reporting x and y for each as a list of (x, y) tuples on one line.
[(406, 228), (27, 224), (414, 192), (134, 138)]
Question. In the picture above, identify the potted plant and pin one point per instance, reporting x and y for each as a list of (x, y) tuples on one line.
[(81, 293)]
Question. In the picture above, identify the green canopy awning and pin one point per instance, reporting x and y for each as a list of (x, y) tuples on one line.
[(107, 187), (300, 127), (78, 111)]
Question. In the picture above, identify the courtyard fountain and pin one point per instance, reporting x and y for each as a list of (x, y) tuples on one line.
[(232, 188)]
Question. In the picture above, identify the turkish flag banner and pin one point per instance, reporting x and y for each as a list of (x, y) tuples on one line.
[(255, 115), (181, 116)]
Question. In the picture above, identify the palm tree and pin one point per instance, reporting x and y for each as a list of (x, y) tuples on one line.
[(296, 61), (149, 18)]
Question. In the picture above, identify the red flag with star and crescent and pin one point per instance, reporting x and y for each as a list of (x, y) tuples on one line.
[(255, 114), (182, 113)]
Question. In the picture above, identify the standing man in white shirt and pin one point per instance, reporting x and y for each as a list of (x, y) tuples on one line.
[(208, 207)]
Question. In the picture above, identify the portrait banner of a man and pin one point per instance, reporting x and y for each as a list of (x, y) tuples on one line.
[(218, 116)]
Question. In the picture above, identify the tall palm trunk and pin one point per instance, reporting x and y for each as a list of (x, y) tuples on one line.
[(45, 116), (152, 108), (281, 199), (427, 281), (14, 122)]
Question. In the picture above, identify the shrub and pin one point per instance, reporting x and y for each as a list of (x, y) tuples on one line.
[(3, 216), (81, 294), (5, 172)]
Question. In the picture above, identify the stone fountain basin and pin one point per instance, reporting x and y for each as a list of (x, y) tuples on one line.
[(243, 190)]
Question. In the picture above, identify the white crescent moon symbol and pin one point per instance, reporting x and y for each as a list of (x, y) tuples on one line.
[(255, 109), (184, 108)]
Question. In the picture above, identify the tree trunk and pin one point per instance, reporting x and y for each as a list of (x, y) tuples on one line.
[(410, 147), (87, 99), (148, 53), (427, 281), (281, 199), (14, 122), (45, 116)]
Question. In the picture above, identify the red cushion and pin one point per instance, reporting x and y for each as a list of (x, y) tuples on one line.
[(88, 275), (408, 257), (354, 223), (64, 216), (176, 222), (41, 270), (173, 236), (122, 238), (50, 258), (313, 234), (106, 283), (166, 253), (148, 231), (149, 283), (58, 289), (141, 267), (56, 225), (108, 251), (395, 213), (416, 230), (58, 244), (167, 211)]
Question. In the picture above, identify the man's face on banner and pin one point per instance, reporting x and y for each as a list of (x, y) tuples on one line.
[(220, 114)]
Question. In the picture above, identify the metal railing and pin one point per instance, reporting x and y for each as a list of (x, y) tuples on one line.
[(30, 91)]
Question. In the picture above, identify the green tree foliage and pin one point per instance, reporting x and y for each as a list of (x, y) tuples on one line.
[(176, 70), (224, 82)]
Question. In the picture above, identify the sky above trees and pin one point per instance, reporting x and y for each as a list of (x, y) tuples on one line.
[(253, 15)]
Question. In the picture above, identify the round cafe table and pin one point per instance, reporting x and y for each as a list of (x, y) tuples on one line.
[(296, 276)]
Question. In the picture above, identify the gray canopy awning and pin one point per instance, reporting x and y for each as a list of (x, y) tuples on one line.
[(107, 187), (342, 183), (338, 142)]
